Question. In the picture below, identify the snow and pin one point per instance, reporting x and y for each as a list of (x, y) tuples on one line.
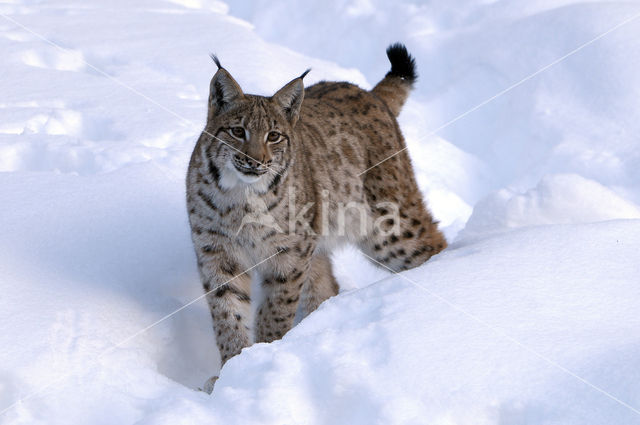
[(529, 317), (558, 198)]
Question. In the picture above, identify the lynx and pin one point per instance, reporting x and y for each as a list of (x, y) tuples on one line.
[(275, 183)]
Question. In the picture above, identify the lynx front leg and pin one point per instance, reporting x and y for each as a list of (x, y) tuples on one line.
[(277, 312), (229, 302), (282, 291)]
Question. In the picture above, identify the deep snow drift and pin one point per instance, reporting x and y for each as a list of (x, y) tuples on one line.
[(530, 317)]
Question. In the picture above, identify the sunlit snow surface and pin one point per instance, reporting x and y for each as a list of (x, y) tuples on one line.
[(530, 317)]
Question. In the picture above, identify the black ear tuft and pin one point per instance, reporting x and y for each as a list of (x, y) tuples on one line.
[(216, 60), (304, 74), (403, 65)]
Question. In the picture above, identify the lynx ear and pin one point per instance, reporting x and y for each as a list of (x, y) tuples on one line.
[(290, 97), (224, 90)]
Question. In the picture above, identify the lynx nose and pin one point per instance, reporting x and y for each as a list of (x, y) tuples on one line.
[(247, 162)]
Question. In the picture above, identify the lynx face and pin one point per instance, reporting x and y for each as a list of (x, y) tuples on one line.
[(249, 143), (251, 136)]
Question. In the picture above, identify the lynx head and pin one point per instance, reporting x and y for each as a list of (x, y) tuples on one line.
[(251, 136)]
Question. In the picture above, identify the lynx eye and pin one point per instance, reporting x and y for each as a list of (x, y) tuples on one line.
[(238, 132), (273, 136)]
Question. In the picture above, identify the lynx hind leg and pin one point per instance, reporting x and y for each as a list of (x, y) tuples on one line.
[(320, 284), (416, 240), (405, 234)]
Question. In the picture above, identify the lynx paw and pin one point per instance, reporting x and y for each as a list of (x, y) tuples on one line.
[(208, 385)]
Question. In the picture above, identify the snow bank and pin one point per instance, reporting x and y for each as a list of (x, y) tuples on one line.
[(562, 198), (471, 338), (530, 317)]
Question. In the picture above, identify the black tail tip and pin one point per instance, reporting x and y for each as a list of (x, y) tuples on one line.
[(403, 65)]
